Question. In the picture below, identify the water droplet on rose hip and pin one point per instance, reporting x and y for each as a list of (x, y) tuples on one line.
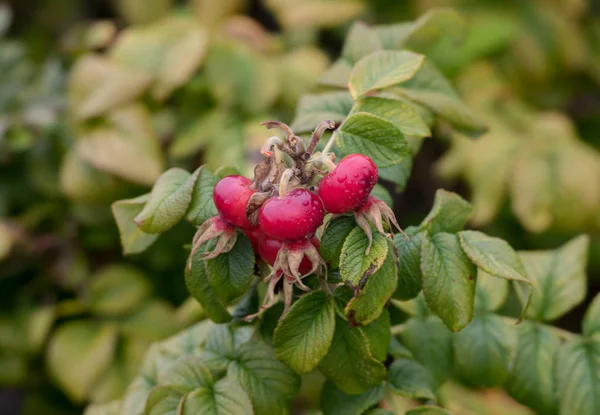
[(306, 202), (342, 178)]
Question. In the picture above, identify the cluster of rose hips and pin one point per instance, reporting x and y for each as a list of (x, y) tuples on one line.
[(282, 208)]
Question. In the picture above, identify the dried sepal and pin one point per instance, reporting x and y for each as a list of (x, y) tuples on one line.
[(254, 204), (287, 266), (373, 212), (214, 228)]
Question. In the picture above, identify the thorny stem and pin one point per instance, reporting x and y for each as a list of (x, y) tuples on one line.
[(283, 183)]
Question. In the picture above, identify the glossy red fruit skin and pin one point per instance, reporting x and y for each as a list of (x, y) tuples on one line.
[(348, 186), (292, 217), (231, 195), (256, 236), (268, 248)]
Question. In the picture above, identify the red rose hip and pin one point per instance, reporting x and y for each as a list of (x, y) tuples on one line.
[(231, 195), (291, 217), (348, 186)]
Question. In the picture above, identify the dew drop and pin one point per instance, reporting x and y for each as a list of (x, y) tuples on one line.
[(305, 202), (342, 178)]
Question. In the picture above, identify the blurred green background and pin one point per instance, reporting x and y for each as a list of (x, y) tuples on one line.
[(98, 97)]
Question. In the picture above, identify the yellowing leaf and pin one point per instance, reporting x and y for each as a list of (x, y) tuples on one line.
[(127, 147), (168, 51), (97, 85), (78, 355)]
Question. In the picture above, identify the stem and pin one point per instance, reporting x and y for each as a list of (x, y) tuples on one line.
[(329, 163), (283, 183), (287, 131), (318, 133), (329, 144)]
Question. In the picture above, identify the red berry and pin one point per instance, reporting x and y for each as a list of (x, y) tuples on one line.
[(268, 249), (348, 186), (292, 217), (256, 236), (231, 195)]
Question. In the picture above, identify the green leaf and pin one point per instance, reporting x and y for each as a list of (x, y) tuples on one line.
[(379, 411), (577, 377), (270, 384), (334, 401), (197, 284), (81, 181), (373, 136), (428, 410), (496, 257), (109, 408), (78, 355), (531, 379), (169, 200), (410, 379), (314, 108), (360, 41), (448, 280), (6, 241), (117, 290), (379, 335), (133, 239), (152, 321), (410, 276), (141, 13), (333, 239), (449, 213), (398, 173), (38, 326), (187, 374), (431, 89), (427, 29), (382, 69), (225, 397), (430, 342), (591, 320), (381, 193), (483, 350), (557, 277), (202, 206), (399, 112), (230, 274), (355, 266), (136, 394), (349, 363), (493, 255), (302, 338), (490, 292), (370, 301), (239, 77), (6, 18), (164, 400), (221, 344), (337, 75)]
